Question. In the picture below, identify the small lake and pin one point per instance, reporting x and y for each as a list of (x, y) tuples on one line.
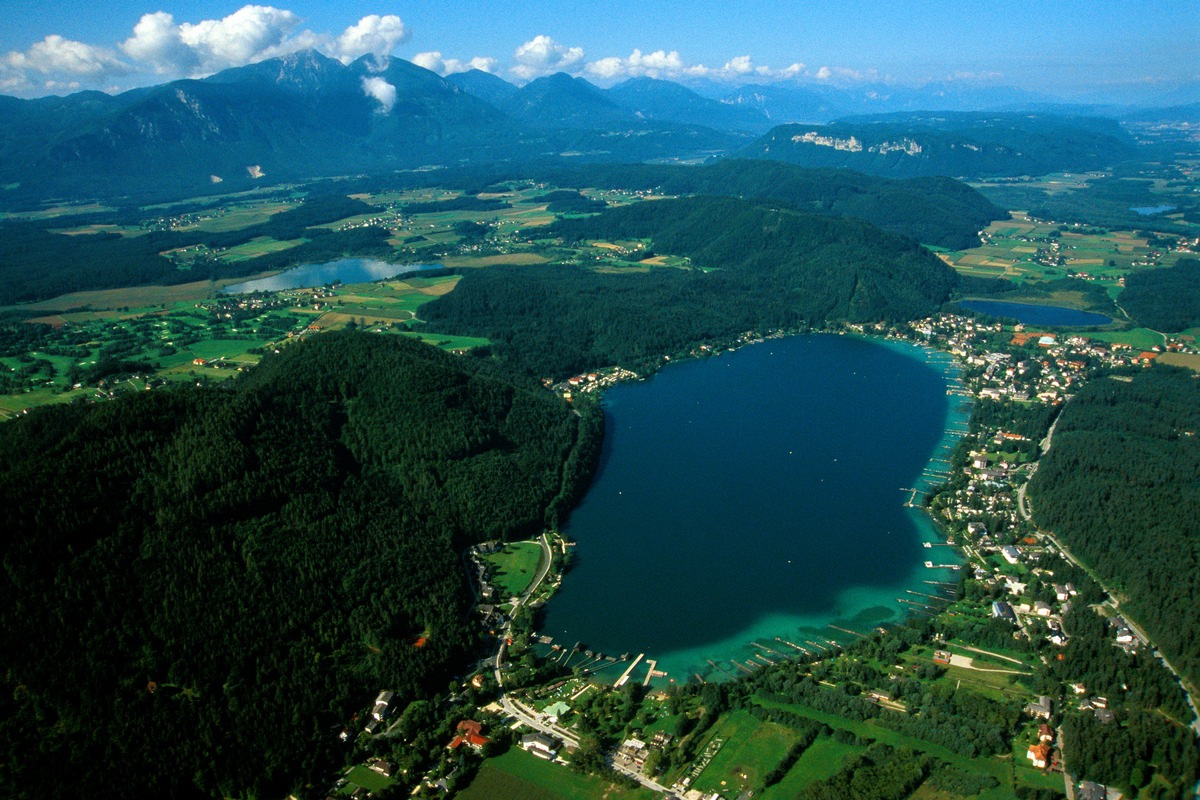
[(758, 494), (344, 270), (1028, 314), (1147, 211)]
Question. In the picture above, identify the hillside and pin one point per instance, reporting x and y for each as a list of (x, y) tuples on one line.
[(1164, 299), (762, 268), (954, 144), (225, 577), (1120, 488)]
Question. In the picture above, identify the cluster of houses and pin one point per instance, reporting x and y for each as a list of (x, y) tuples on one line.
[(588, 382)]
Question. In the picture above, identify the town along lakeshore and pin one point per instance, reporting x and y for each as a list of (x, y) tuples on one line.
[(760, 496)]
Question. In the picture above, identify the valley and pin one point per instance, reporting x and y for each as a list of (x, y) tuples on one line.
[(625, 430)]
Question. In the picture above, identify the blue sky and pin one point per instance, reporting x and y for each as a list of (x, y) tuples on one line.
[(1061, 48)]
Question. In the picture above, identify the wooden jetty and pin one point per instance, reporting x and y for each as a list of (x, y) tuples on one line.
[(699, 680), (766, 649), (906, 601), (941, 583), (847, 630), (717, 666), (761, 657), (743, 667), (804, 650), (930, 596)]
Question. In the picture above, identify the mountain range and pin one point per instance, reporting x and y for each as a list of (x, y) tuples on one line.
[(305, 115)]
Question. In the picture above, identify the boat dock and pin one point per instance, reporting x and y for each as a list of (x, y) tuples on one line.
[(847, 630), (721, 669), (624, 677)]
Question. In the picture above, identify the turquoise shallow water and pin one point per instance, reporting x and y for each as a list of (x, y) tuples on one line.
[(758, 494)]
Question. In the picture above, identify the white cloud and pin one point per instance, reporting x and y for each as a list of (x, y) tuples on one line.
[(434, 62), (846, 74), (659, 64), (671, 66), (541, 55), (56, 55), (382, 91), (250, 34), (372, 35)]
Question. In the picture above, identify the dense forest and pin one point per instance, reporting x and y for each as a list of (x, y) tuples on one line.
[(759, 267), (1121, 487), (1165, 299), (203, 585)]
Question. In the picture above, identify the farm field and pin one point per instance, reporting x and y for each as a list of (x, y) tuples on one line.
[(1026, 250)]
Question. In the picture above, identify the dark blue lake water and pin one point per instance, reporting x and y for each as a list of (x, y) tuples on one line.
[(756, 494), (1036, 315), (345, 270)]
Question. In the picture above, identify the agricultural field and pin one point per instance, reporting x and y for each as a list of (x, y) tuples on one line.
[(515, 567), (1026, 250), (517, 775), (184, 333)]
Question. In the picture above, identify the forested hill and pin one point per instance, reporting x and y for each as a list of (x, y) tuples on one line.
[(934, 210), (754, 267), (267, 556), (1166, 299), (1121, 488)]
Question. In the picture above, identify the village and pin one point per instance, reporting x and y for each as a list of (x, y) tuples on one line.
[(558, 704)]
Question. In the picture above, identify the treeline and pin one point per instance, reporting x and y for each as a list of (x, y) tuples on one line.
[(1164, 299), (202, 585), (770, 269), (1121, 487)]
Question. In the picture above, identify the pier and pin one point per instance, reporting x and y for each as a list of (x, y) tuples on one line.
[(766, 649), (804, 650), (624, 677), (847, 630), (931, 596), (721, 669), (650, 672)]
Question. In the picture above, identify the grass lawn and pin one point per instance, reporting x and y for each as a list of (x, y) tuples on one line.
[(516, 567), (517, 775), (824, 758), (751, 748), (1137, 338), (366, 778)]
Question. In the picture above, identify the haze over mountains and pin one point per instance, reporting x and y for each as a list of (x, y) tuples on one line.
[(304, 115)]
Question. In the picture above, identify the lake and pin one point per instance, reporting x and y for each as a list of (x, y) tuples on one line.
[(1028, 314), (1147, 211), (344, 270), (758, 494)]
